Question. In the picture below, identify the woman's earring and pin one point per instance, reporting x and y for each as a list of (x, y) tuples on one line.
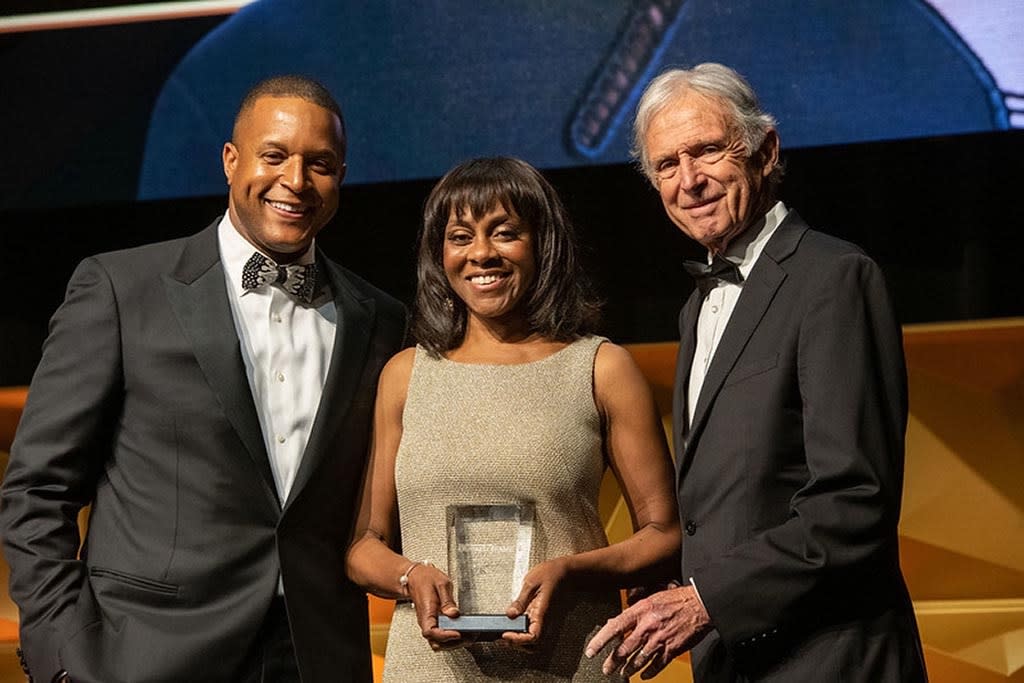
[(449, 305)]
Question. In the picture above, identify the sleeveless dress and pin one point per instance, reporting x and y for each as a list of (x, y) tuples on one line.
[(486, 434)]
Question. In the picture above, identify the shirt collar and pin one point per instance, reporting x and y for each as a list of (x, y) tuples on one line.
[(745, 249)]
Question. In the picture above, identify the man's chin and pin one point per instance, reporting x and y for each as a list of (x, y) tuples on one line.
[(707, 233), (288, 248), (291, 232)]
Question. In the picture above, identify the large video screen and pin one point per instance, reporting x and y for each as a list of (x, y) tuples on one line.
[(426, 84)]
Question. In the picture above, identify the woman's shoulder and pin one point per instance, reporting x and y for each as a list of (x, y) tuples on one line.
[(401, 361), (608, 352), (612, 364), (394, 377)]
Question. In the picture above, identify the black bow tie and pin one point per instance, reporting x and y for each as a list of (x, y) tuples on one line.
[(720, 269), (299, 281)]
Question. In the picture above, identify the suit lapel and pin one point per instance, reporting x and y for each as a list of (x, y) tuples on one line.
[(197, 293), (684, 361), (348, 358), (758, 291)]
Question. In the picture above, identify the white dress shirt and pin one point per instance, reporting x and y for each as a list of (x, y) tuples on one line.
[(287, 350), (718, 304)]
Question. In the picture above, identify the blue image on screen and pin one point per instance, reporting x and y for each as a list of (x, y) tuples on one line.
[(426, 84)]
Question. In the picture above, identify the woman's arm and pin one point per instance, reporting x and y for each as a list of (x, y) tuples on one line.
[(371, 561), (637, 452)]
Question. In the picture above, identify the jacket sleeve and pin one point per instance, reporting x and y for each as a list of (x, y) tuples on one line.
[(62, 441), (838, 544)]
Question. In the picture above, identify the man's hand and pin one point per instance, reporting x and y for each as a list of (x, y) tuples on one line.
[(638, 593), (656, 630)]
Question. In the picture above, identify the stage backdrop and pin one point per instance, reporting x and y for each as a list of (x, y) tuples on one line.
[(114, 111)]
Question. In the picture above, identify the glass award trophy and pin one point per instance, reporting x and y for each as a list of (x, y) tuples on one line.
[(488, 556)]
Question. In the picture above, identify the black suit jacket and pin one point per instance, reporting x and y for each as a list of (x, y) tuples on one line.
[(141, 406), (790, 476)]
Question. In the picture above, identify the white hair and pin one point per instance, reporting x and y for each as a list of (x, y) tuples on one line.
[(712, 80)]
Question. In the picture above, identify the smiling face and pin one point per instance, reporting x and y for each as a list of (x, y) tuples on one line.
[(490, 264), (284, 167), (710, 187)]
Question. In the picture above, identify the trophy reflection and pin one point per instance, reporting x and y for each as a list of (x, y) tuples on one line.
[(488, 556)]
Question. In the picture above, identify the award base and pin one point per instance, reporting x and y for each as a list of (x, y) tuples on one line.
[(484, 624)]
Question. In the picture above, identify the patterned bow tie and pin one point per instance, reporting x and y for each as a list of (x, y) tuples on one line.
[(720, 269), (299, 281)]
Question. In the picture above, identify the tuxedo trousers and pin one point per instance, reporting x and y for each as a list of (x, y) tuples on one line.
[(272, 658)]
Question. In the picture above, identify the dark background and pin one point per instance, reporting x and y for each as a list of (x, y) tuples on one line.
[(941, 215)]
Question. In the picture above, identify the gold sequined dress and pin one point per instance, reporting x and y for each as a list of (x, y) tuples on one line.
[(484, 434)]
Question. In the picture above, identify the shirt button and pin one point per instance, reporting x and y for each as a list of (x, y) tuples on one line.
[(277, 318), (280, 438), (714, 309), (691, 527), (280, 377)]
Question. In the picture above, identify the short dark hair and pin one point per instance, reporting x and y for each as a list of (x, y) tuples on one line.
[(292, 85), (560, 303)]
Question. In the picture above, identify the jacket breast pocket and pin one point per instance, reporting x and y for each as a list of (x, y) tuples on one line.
[(752, 368)]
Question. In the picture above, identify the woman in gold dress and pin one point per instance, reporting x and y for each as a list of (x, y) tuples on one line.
[(508, 399)]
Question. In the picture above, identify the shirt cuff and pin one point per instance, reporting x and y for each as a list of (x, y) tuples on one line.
[(697, 591)]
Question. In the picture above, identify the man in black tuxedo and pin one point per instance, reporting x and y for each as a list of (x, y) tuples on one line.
[(211, 398), (789, 418)]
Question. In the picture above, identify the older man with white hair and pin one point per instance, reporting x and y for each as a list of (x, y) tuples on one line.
[(789, 418)]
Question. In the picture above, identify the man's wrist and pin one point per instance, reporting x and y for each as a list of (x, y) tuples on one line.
[(697, 592)]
